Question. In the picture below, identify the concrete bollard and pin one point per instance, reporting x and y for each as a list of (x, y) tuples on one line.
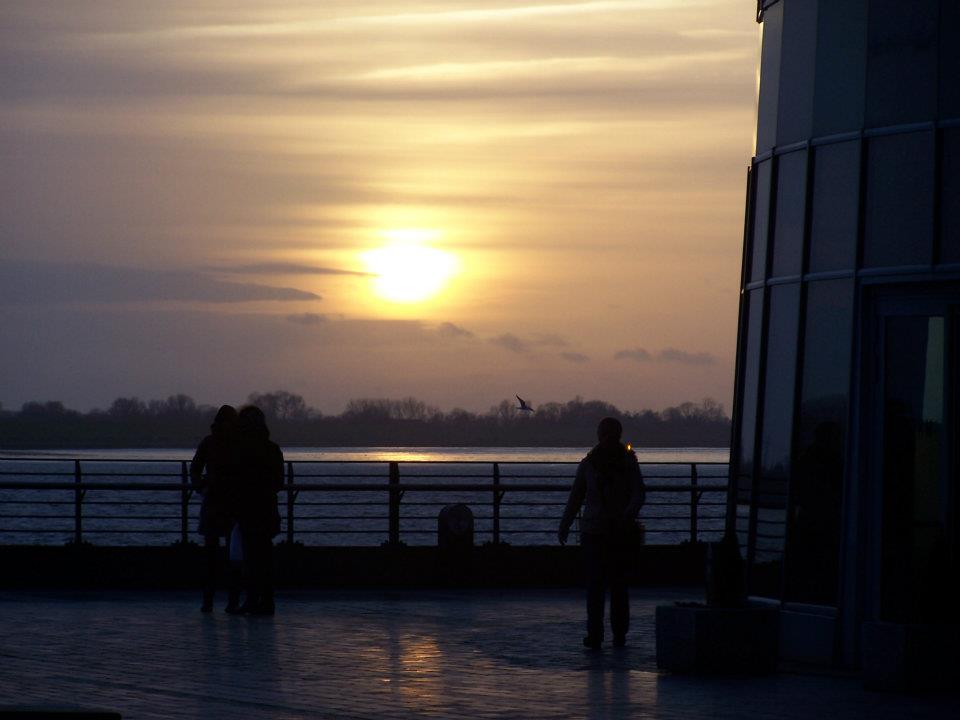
[(455, 544)]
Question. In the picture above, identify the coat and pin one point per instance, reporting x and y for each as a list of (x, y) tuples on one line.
[(609, 487), (261, 478), (213, 474)]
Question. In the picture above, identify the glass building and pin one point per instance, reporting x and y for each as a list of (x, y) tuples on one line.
[(845, 456)]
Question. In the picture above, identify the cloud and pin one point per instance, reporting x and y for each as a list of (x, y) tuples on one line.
[(624, 50), (54, 283), (575, 357), (637, 354), (451, 331), (517, 344), (283, 268), (307, 318), (549, 339), (667, 355), (682, 356), (509, 341)]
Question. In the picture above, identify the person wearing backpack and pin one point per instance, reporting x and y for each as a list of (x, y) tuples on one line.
[(609, 487)]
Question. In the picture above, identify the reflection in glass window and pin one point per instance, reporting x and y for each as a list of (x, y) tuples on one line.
[(798, 53), (769, 78), (816, 484), (841, 43), (899, 207), (748, 410), (791, 206), (776, 435), (915, 541), (949, 104), (833, 220), (950, 197), (761, 216), (901, 62)]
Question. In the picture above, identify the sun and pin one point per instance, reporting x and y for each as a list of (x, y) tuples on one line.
[(407, 269)]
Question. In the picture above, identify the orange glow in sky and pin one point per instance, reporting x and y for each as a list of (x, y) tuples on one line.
[(408, 271), (455, 200)]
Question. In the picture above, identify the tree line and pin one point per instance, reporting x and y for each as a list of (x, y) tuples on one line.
[(179, 421)]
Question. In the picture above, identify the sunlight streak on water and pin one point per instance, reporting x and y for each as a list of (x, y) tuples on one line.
[(398, 454)]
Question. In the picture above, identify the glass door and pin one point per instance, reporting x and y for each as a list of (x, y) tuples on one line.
[(914, 454)]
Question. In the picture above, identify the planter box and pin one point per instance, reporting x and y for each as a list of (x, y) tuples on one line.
[(903, 658), (717, 640)]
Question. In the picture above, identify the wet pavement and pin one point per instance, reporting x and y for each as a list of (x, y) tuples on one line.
[(403, 654)]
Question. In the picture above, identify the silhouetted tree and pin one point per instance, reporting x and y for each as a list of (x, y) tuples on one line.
[(50, 409), (177, 405), (179, 421), (281, 405), (124, 407)]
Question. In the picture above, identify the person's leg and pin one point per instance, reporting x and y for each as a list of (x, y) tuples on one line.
[(234, 585), (266, 577), (593, 566), (619, 575), (211, 544), (251, 575), (235, 568)]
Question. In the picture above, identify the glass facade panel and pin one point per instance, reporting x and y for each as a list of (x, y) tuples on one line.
[(769, 78), (791, 211), (841, 43), (950, 197), (776, 435), (748, 410), (761, 218), (798, 52), (949, 105), (833, 219), (751, 379), (901, 62), (915, 543), (899, 206), (816, 485)]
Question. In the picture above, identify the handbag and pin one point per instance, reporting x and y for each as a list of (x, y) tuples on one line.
[(236, 544)]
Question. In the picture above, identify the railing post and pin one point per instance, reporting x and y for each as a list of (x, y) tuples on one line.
[(496, 503), (694, 500), (393, 538), (77, 504), (290, 498), (184, 502)]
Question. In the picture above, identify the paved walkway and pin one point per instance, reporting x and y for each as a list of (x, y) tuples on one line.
[(412, 654)]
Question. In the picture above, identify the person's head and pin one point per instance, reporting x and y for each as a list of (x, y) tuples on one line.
[(225, 419), (252, 419), (609, 432)]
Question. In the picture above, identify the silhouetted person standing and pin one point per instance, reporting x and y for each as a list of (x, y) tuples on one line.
[(261, 478), (213, 473), (609, 487)]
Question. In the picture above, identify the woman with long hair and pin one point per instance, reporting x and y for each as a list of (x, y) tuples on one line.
[(213, 474), (261, 478)]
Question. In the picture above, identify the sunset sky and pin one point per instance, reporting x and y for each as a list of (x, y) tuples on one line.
[(453, 200)]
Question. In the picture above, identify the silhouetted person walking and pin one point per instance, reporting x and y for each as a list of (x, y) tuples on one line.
[(609, 487), (261, 478), (213, 473)]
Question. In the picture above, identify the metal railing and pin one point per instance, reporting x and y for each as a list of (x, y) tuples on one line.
[(137, 502)]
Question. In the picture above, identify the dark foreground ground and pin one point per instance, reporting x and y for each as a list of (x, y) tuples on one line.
[(405, 654)]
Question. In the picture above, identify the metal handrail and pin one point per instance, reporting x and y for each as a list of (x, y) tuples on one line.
[(694, 484), (331, 487)]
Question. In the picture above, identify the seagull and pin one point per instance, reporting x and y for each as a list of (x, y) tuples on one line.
[(523, 405)]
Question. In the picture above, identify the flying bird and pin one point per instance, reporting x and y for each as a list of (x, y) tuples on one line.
[(524, 407)]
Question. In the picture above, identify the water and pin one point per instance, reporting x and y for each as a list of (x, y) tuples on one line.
[(334, 508), (400, 454)]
